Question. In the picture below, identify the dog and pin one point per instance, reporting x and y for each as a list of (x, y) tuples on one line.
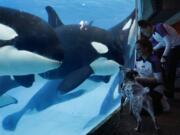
[(138, 98)]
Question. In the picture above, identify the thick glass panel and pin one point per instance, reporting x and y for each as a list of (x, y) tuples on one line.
[(83, 92)]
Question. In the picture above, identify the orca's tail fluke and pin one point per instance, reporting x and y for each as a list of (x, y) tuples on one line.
[(53, 17)]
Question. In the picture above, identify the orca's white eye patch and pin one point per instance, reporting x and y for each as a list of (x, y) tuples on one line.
[(99, 47), (127, 25), (6, 32)]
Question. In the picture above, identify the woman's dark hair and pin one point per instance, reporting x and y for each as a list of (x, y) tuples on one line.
[(144, 23), (145, 43)]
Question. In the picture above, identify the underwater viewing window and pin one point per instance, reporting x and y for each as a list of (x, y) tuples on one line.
[(60, 63)]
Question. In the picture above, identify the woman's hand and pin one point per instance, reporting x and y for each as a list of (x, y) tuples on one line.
[(163, 61)]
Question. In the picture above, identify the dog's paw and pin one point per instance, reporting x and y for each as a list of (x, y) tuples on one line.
[(158, 131), (157, 128), (137, 129), (121, 109)]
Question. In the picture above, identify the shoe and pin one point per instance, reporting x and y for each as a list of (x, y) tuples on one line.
[(169, 93)]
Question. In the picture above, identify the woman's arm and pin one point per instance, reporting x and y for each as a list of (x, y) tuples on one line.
[(167, 46), (146, 81), (159, 46)]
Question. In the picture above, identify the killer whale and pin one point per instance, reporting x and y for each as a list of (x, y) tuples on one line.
[(33, 35), (77, 46), (9, 55)]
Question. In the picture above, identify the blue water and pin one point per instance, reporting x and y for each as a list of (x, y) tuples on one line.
[(90, 103), (104, 13)]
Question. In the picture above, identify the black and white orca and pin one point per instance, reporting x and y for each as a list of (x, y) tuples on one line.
[(81, 45), (29, 44), (82, 49)]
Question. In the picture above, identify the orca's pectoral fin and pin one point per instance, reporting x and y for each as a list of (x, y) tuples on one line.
[(25, 81), (105, 79), (53, 18), (74, 79), (6, 100)]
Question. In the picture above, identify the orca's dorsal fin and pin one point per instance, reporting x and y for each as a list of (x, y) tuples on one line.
[(90, 23), (53, 18)]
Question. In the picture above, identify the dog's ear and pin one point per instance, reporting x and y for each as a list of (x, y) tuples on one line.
[(135, 73), (128, 75)]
